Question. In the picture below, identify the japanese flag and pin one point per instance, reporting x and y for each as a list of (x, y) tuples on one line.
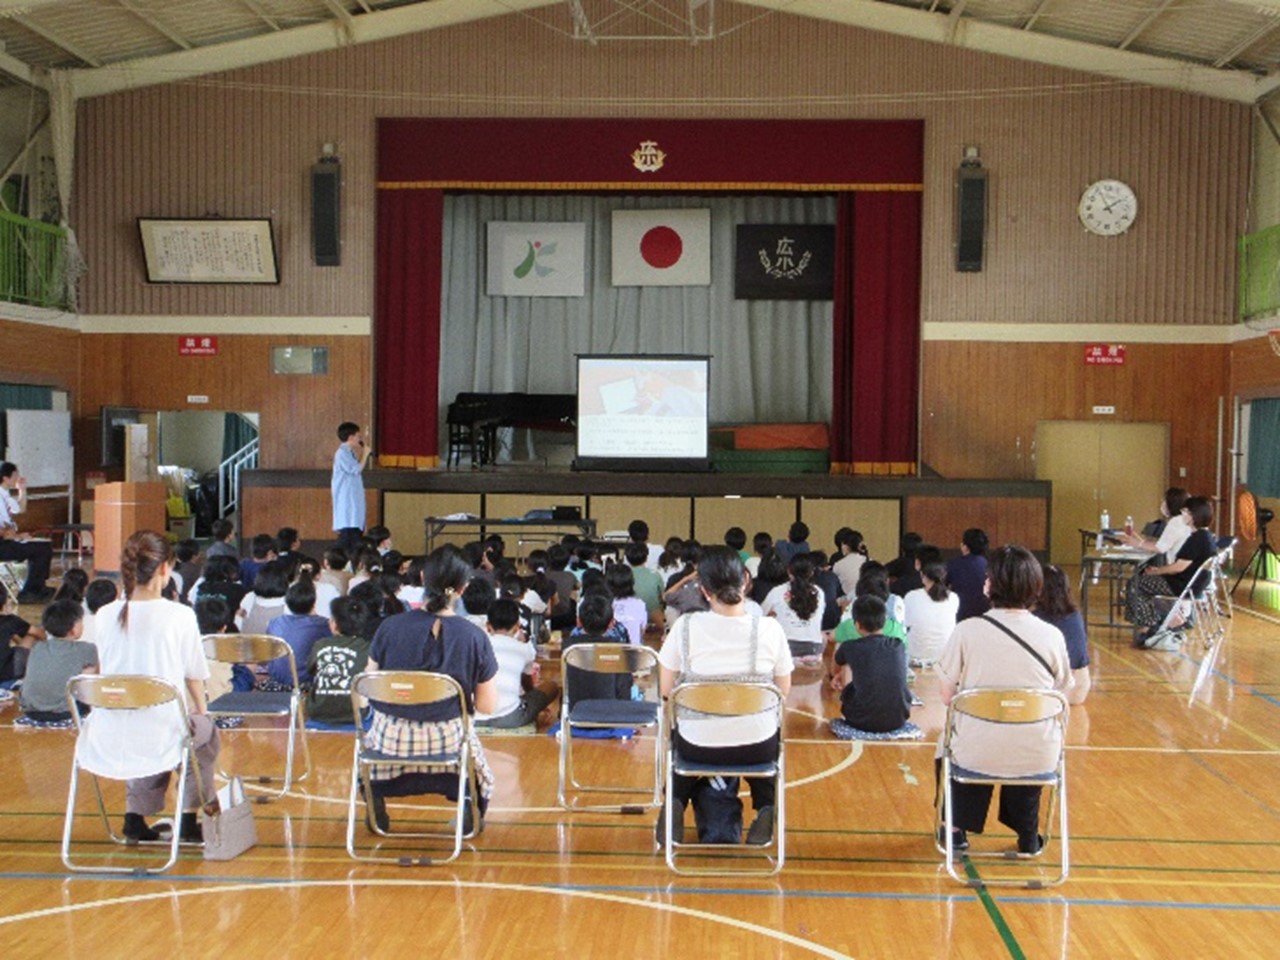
[(665, 248)]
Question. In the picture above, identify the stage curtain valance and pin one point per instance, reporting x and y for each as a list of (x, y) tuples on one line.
[(876, 318)]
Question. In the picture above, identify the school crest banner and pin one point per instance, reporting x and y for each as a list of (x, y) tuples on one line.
[(779, 261)]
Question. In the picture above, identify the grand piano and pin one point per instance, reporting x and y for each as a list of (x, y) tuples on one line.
[(474, 418)]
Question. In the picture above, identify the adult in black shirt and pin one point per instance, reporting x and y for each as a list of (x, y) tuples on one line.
[(1171, 579)]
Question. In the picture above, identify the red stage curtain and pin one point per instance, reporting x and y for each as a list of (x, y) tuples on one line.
[(876, 339), (407, 347)]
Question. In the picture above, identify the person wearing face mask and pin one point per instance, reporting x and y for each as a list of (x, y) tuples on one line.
[(1166, 535)]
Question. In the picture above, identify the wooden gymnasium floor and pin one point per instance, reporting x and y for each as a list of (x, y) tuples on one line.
[(1175, 847)]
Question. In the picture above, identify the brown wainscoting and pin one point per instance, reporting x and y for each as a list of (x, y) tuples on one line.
[(942, 520), (40, 355), (299, 414), (1255, 369), (981, 401), (309, 509)]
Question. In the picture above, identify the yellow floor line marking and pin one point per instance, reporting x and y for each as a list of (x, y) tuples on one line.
[(1129, 662), (704, 915)]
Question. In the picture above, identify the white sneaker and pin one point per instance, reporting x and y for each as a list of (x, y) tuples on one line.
[(1168, 641)]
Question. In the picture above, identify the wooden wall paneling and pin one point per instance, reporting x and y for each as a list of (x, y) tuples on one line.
[(712, 516), (40, 355), (877, 520), (403, 514), (1255, 369), (981, 402), (666, 516), (298, 414), (942, 520), (267, 509)]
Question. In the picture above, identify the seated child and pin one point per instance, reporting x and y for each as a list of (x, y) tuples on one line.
[(17, 636), (61, 656), (214, 615), (874, 582), (74, 583), (333, 570), (595, 625), (520, 697), (872, 673), (647, 583), (263, 549), (476, 600), (761, 542), (221, 578), (96, 596), (336, 660), (736, 539), (628, 609), (300, 628), (222, 531), (187, 572)]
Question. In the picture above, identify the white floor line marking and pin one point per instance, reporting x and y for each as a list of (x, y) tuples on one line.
[(744, 925)]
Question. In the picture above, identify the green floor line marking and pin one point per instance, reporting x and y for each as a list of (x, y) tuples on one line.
[(1010, 941)]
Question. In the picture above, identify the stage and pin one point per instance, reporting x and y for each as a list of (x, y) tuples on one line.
[(701, 505)]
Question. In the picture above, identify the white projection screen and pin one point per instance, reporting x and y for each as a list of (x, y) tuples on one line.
[(642, 412)]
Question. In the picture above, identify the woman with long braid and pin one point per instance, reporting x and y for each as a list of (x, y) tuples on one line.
[(798, 605), (148, 635)]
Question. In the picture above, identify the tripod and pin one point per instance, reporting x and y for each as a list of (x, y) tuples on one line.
[(1260, 561)]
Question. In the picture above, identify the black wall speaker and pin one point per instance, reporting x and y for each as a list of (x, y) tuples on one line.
[(971, 218), (326, 192)]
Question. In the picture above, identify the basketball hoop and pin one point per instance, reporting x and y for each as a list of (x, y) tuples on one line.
[(1274, 337)]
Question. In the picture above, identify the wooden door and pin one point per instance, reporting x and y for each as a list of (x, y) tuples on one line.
[(1119, 467)]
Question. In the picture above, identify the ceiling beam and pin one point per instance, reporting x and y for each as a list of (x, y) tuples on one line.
[(14, 7), (256, 9), (1246, 43), (18, 70), (1143, 24), (1028, 45), (1259, 6), (81, 55), (152, 21), (293, 42), (1035, 14)]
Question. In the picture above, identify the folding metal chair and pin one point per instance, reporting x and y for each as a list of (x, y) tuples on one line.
[(12, 575), (1222, 582), (262, 648), (1009, 710), (140, 699), (726, 700), (410, 688), (607, 660), (1194, 611)]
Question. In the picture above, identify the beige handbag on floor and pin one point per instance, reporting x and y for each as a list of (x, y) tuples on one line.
[(229, 831)]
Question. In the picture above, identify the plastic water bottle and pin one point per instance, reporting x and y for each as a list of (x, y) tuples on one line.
[(1128, 526), (1103, 525)]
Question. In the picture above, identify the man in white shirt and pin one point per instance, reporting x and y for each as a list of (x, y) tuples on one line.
[(38, 554)]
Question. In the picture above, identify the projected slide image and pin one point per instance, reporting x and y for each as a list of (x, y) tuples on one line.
[(632, 407)]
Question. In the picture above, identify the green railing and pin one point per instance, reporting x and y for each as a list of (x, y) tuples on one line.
[(33, 257), (1260, 273)]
